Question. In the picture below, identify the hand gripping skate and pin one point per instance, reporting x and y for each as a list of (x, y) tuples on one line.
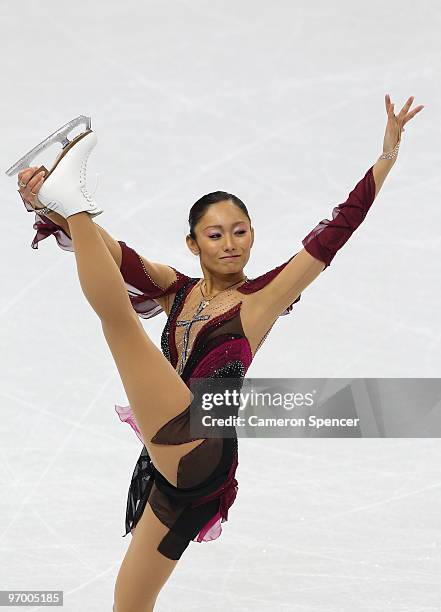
[(64, 187)]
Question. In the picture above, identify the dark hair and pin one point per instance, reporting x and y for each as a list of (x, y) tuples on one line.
[(199, 208)]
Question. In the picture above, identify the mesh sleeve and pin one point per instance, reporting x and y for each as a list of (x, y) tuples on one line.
[(330, 235), (142, 289)]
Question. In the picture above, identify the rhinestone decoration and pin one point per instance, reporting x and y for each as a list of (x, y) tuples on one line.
[(192, 317), (150, 278), (391, 154), (167, 337), (190, 327)]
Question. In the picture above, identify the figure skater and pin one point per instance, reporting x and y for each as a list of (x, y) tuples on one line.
[(182, 486)]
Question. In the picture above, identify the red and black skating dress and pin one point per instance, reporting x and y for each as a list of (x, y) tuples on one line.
[(208, 343)]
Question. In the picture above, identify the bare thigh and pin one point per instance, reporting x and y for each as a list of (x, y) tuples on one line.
[(154, 389), (144, 570)]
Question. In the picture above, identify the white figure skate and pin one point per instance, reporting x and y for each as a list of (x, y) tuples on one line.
[(64, 187)]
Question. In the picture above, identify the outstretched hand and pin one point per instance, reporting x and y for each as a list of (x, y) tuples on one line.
[(395, 123), (29, 183)]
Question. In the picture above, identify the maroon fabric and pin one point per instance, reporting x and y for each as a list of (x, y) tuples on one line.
[(329, 236), (226, 492), (141, 288), (223, 354), (45, 227), (229, 324)]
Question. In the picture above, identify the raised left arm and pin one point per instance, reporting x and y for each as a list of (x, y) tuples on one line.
[(320, 247), (323, 242)]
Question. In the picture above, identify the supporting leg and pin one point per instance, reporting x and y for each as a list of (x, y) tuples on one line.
[(144, 570)]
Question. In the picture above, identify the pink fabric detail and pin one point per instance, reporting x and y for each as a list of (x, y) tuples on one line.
[(238, 348), (126, 415), (211, 530), (227, 491)]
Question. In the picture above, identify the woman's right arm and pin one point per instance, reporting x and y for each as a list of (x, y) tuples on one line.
[(162, 275), (150, 285)]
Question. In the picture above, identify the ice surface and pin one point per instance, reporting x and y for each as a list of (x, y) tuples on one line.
[(281, 103)]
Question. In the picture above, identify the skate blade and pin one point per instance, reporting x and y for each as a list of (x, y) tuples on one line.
[(59, 135)]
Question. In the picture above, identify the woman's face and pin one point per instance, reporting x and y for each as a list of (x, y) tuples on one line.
[(224, 238)]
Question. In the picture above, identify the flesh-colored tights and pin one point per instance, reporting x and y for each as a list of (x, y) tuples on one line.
[(156, 394)]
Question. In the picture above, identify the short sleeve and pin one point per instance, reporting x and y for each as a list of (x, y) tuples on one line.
[(141, 287)]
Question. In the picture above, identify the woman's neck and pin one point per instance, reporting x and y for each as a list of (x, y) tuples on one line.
[(213, 285)]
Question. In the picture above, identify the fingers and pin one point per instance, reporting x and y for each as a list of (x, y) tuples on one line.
[(414, 112), (403, 116), (32, 183), (389, 105), (406, 107), (25, 175)]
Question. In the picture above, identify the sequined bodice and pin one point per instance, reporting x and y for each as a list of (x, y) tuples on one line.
[(201, 342), (206, 341)]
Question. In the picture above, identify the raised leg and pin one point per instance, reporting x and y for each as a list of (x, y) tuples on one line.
[(99, 276), (154, 389)]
